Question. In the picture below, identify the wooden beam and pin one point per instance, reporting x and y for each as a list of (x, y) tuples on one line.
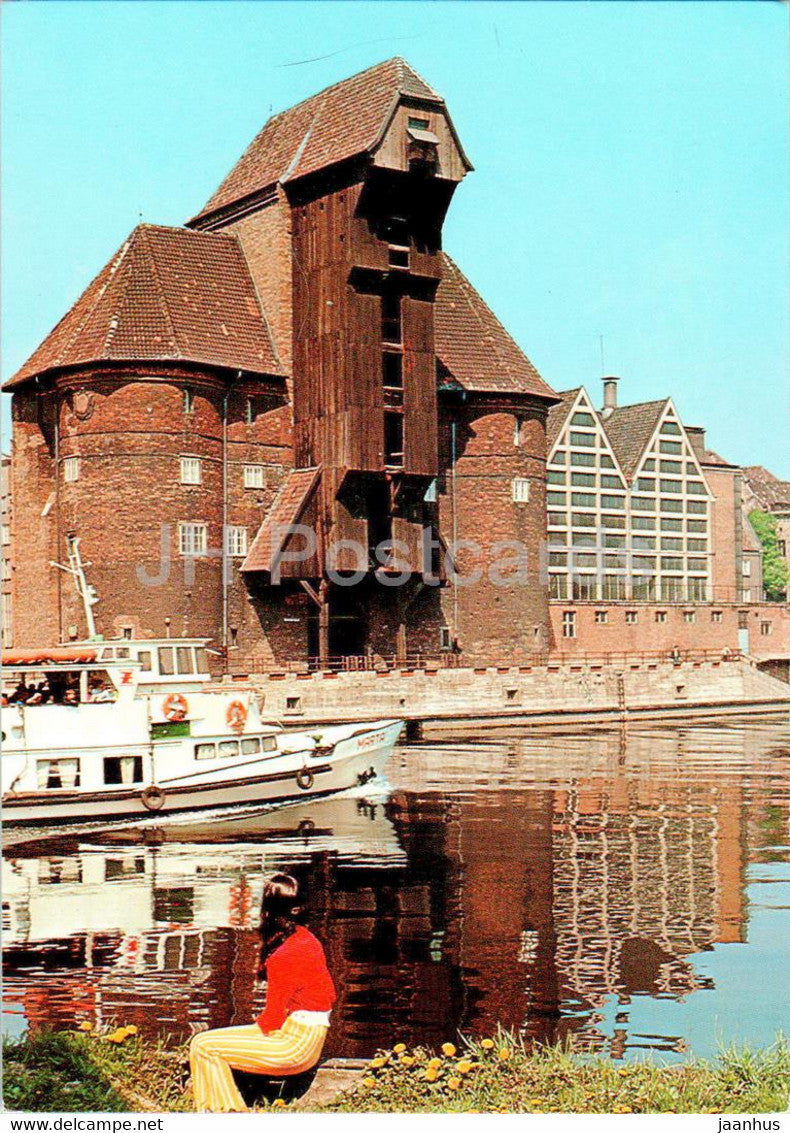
[(323, 622)]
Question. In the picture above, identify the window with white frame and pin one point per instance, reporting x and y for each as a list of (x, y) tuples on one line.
[(189, 401), (631, 617), (445, 637), (715, 615), (71, 469), (192, 538), (5, 534), (569, 623), (747, 567), (190, 470), (236, 541), (765, 628), (253, 475), (521, 490)]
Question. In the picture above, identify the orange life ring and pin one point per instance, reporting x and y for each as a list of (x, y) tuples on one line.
[(175, 707), (153, 798), (236, 715)]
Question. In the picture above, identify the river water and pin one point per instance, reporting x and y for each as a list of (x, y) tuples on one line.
[(629, 887)]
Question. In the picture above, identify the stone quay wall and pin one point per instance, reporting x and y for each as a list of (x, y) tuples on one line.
[(538, 693)]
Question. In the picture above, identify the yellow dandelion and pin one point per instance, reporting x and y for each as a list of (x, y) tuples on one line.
[(368, 1082), (278, 1103), (131, 1030), (399, 1048), (86, 1026), (624, 1072), (434, 1063), (377, 1063), (431, 1074), (535, 1101), (487, 1044), (407, 1061), (464, 1066), (116, 1036), (622, 1109), (453, 1083), (504, 1053), (448, 1049)]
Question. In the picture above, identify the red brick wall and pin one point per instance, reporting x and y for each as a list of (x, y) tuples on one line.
[(726, 560), (476, 502), (650, 636), (265, 237), (33, 536)]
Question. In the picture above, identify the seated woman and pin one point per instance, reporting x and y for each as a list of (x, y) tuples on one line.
[(288, 1037)]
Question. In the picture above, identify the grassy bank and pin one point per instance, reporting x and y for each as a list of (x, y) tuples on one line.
[(118, 1071)]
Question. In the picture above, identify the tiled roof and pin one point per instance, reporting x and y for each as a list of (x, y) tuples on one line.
[(629, 430), (558, 415), (713, 458), (289, 504), (474, 347), (770, 493), (340, 122), (168, 294)]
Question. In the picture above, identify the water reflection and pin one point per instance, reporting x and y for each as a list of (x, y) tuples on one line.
[(550, 882)]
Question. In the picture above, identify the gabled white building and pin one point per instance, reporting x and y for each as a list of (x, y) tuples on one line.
[(629, 508)]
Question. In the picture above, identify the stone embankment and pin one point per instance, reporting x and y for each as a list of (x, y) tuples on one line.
[(540, 693)]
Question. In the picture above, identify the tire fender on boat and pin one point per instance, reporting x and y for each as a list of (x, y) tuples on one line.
[(305, 779), (153, 798), (175, 707)]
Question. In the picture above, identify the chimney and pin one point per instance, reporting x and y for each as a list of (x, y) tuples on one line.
[(609, 396), (696, 435)]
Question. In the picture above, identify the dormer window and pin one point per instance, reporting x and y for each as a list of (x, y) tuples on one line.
[(419, 123)]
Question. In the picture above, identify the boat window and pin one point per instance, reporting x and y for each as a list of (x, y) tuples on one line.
[(166, 660), (107, 654), (202, 660), (227, 748), (205, 751), (144, 657), (269, 743), (54, 773), (123, 652), (123, 769), (250, 746), (184, 659)]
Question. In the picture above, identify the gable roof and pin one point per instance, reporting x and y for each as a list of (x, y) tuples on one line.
[(629, 429), (168, 294), (474, 347), (558, 415), (770, 493), (288, 507), (338, 123)]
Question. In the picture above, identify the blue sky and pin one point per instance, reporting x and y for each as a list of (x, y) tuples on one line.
[(631, 169)]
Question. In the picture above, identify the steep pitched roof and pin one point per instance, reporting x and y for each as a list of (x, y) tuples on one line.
[(288, 507), (340, 122), (473, 345), (770, 493), (168, 294), (629, 430), (558, 415)]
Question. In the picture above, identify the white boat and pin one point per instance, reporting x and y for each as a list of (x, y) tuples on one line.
[(148, 732)]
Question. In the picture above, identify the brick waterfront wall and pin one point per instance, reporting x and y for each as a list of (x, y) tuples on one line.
[(649, 635)]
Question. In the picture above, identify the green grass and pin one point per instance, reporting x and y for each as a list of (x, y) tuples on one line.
[(73, 1072), (77, 1073), (513, 1079)]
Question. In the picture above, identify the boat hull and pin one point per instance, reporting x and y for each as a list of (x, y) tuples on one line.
[(352, 761)]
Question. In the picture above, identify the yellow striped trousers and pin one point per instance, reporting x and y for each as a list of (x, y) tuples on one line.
[(296, 1047)]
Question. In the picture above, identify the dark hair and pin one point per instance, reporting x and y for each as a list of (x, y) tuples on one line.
[(280, 913)]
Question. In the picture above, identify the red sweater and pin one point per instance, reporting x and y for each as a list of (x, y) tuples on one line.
[(297, 979)]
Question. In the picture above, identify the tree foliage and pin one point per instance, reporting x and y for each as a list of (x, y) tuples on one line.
[(775, 574)]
